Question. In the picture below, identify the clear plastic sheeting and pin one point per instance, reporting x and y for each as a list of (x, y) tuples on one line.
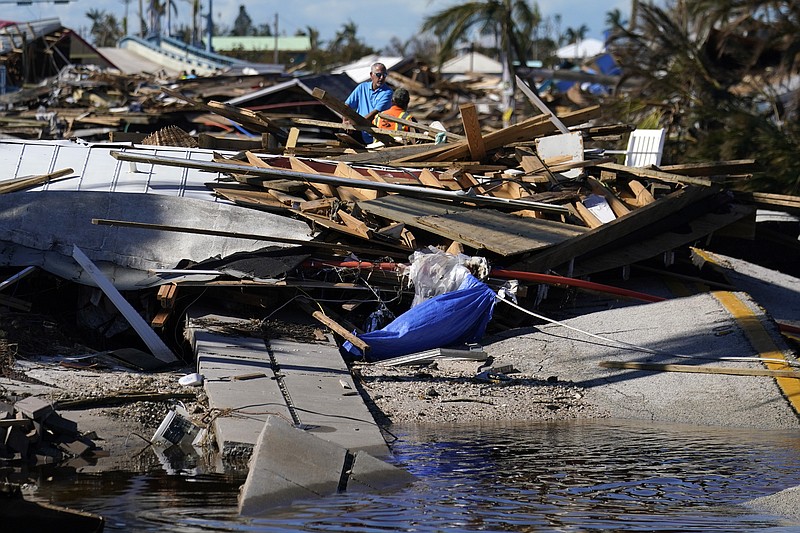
[(433, 272), (454, 308)]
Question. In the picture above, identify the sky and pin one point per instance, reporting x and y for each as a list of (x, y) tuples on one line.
[(377, 22)]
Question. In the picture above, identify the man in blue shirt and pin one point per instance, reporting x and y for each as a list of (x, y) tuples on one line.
[(371, 97)]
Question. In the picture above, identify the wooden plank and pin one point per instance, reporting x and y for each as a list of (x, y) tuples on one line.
[(247, 197), (614, 203), (355, 224), (216, 142), (371, 130), (167, 294), (316, 206), (472, 128), (426, 177), (323, 188), (334, 326), (160, 320), (587, 216), (154, 343), (488, 229), (286, 199), (731, 371), (616, 229), (601, 260), (348, 113), (19, 184), (522, 131), (770, 200), (640, 192), (291, 140), (327, 223), (656, 175), (715, 168), (344, 170)]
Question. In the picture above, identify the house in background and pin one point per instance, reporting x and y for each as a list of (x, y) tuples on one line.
[(290, 50), (33, 51)]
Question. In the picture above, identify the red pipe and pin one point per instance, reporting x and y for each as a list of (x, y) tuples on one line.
[(548, 279), (788, 328), (366, 265)]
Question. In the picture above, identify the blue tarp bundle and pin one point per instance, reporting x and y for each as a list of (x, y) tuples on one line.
[(456, 317)]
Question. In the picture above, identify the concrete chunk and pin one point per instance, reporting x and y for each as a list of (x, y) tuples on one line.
[(287, 465), (369, 474), (34, 408)]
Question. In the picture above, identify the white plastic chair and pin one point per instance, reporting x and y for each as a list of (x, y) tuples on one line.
[(644, 148)]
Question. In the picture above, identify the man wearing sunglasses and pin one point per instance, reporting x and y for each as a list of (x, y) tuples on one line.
[(371, 97)]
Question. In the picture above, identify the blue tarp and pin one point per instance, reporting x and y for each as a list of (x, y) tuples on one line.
[(456, 317)]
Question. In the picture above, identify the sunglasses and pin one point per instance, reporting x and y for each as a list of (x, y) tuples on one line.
[(379, 74)]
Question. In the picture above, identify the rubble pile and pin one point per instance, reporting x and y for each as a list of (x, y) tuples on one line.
[(33, 432)]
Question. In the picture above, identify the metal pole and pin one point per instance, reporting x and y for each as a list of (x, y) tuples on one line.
[(277, 174), (210, 24)]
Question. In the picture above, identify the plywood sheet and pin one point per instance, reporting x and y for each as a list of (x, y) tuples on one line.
[(481, 229)]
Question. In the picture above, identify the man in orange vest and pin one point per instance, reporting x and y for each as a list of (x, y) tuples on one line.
[(400, 100)]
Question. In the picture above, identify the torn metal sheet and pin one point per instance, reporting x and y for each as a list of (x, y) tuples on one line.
[(40, 228)]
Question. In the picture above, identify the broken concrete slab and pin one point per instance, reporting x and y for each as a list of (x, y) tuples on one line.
[(370, 474), (248, 379), (698, 330), (289, 465), (776, 292)]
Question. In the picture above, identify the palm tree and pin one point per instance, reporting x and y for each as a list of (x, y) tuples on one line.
[(716, 72), (576, 35), (105, 29), (507, 20)]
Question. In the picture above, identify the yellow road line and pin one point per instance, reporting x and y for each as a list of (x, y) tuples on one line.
[(762, 342)]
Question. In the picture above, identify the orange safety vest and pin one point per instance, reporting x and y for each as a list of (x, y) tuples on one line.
[(395, 111)]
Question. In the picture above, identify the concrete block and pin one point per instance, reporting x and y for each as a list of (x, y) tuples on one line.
[(17, 441), (369, 474), (34, 408), (287, 465), (61, 426)]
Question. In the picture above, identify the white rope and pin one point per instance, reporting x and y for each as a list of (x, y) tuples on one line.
[(637, 348)]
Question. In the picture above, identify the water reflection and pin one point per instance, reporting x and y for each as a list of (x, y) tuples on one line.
[(535, 477)]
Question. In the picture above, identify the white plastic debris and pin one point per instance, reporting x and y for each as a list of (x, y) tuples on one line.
[(191, 380)]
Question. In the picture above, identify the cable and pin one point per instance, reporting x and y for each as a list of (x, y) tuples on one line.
[(642, 348)]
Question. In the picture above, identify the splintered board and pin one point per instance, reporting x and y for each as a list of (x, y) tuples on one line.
[(487, 229)]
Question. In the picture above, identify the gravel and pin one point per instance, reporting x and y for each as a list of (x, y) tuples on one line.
[(458, 391)]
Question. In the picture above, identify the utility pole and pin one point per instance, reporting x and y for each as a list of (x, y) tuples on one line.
[(210, 25), (275, 52)]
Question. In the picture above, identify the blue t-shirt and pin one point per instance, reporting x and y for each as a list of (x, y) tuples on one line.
[(363, 99)]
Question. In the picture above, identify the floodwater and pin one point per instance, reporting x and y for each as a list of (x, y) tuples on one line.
[(564, 476)]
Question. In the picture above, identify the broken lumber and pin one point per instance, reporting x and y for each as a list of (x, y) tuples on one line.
[(656, 367)]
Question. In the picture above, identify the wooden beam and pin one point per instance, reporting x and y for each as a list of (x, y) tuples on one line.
[(422, 127), (614, 203), (472, 127), (350, 114), (656, 174), (731, 371), (334, 326), (611, 231), (19, 184)]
